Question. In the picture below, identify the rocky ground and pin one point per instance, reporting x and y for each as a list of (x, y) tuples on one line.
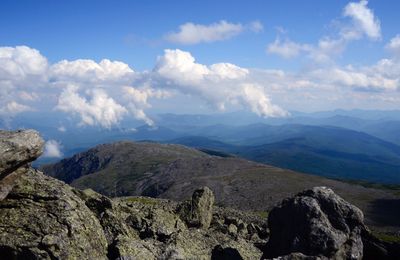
[(44, 218)]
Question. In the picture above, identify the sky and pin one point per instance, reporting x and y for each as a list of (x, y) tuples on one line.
[(100, 62)]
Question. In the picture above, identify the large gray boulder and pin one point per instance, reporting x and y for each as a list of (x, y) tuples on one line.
[(17, 149), (198, 211), (43, 218), (316, 222)]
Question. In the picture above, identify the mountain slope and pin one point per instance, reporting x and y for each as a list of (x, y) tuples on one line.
[(174, 171)]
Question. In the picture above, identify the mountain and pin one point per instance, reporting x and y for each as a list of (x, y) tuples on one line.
[(173, 171)]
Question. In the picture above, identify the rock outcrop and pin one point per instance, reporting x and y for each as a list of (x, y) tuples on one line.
[(16, 150), (318, 223)]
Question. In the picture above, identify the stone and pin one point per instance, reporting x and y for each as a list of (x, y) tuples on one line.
[(42, 218), (17, 149), (198, 211), (316, 222), (232, 230)]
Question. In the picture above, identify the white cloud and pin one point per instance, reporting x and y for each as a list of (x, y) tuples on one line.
[(99, 110), (20, 62), (62, 129), (102, 94), (190, 33), (364, 22), (13, 108), (259, 103), (256, 26), (218, 84), (52, 149), (138, 100), (360, 79), (22, 70), (286, 49), (91, 71), (363, 18), (394, 46)]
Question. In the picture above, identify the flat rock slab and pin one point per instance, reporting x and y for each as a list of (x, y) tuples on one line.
[(16, 150)]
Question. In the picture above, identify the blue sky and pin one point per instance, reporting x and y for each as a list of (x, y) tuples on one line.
[(268, 57), (132, 31)]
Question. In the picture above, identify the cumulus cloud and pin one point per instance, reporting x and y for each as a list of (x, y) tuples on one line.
[(103, 93), (256, 26), (190, 33), (367, 79), (91, 71), (363, 22), (286, 49), (22, 70), (138, 100), (218, 84), (21, 62), (394, 46), (100, 109), (363, 18), (52, 149), (13, 108)]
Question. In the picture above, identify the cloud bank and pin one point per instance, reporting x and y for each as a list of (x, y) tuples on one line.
[(103, 93)]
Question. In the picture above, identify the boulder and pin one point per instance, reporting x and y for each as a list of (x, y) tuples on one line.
[(198, 211), (316, 222), (17, 149), (43, 218)]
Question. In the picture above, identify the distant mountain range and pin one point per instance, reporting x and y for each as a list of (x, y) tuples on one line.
[(355, 144), (321, 150)]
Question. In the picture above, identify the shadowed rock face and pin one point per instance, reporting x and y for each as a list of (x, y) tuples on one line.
[(316, 222)]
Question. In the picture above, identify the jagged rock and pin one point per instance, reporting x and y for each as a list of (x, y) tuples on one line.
[(316, 222), (43, 218), (198, 211), (16, 150)]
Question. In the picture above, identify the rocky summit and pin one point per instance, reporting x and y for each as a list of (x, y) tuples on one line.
[(44, 218)]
